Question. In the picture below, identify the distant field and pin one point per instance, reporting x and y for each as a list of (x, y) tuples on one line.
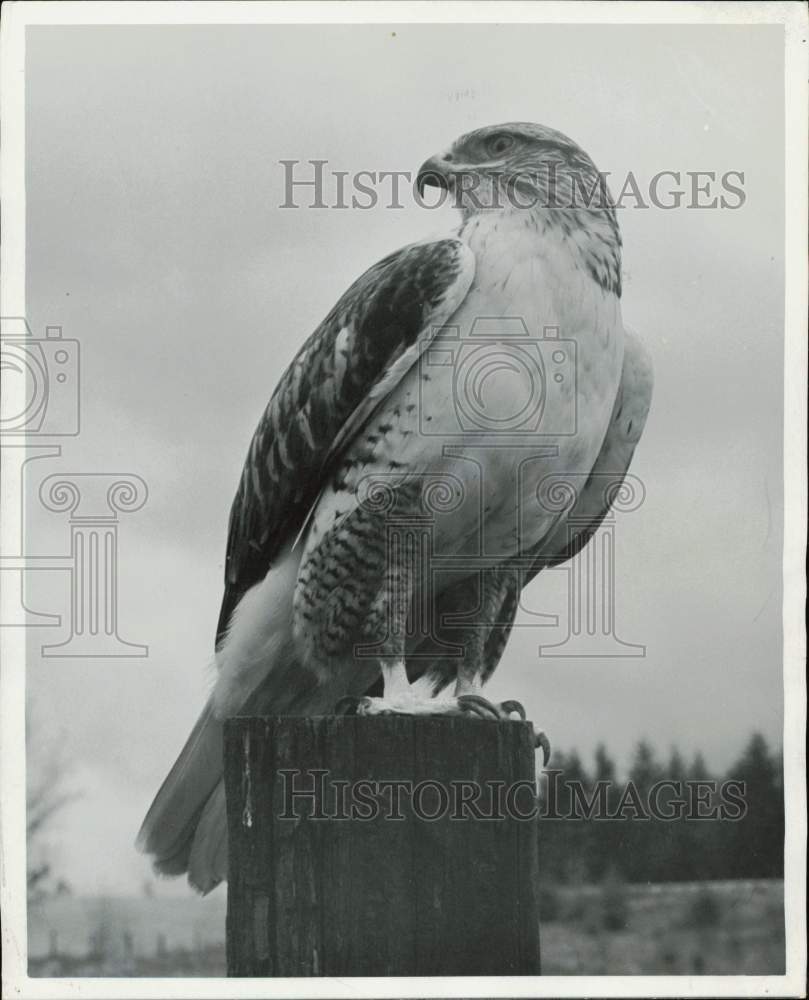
[(703, 928), (707, 928)]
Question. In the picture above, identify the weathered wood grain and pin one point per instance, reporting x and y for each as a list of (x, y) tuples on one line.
[(312, 892)]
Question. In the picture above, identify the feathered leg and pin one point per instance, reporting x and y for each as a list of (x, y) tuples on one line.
[(496, 590), (481, 634)]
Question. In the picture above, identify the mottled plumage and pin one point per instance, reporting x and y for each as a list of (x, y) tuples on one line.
[(325, 393), (375, 529)]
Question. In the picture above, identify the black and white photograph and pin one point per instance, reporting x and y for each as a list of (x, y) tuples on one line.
[(404, 499)]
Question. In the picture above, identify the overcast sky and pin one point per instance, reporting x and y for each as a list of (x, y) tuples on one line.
[(155, 237)]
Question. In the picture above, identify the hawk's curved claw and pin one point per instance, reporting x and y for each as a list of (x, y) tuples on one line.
[(347, 705), (543, 741), (478, 705), (507, 707)]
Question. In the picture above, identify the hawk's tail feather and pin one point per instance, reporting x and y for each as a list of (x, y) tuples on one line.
[(186, 826), (208, 860), (168, 831)]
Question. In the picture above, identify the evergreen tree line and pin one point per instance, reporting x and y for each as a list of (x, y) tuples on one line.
[(574, 850)]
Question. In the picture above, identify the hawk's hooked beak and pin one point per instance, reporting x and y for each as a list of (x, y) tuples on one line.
[(436, 172)]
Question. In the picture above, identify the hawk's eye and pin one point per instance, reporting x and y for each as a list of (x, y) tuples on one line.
[(498, 144)]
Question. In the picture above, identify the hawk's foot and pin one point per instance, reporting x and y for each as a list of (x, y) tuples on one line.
[(407, 703), (478, 705), (486, 709)]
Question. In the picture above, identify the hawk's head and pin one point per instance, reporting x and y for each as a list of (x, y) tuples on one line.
[(522, 167)]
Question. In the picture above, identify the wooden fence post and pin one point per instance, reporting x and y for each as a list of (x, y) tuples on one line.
[(381, 846)]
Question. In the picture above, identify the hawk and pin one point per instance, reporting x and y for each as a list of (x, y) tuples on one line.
[(449, 383)]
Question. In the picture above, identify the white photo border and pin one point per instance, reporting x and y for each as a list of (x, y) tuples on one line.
[(17, 17)]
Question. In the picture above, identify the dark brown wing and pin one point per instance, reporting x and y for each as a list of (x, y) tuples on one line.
[(342, 372)]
